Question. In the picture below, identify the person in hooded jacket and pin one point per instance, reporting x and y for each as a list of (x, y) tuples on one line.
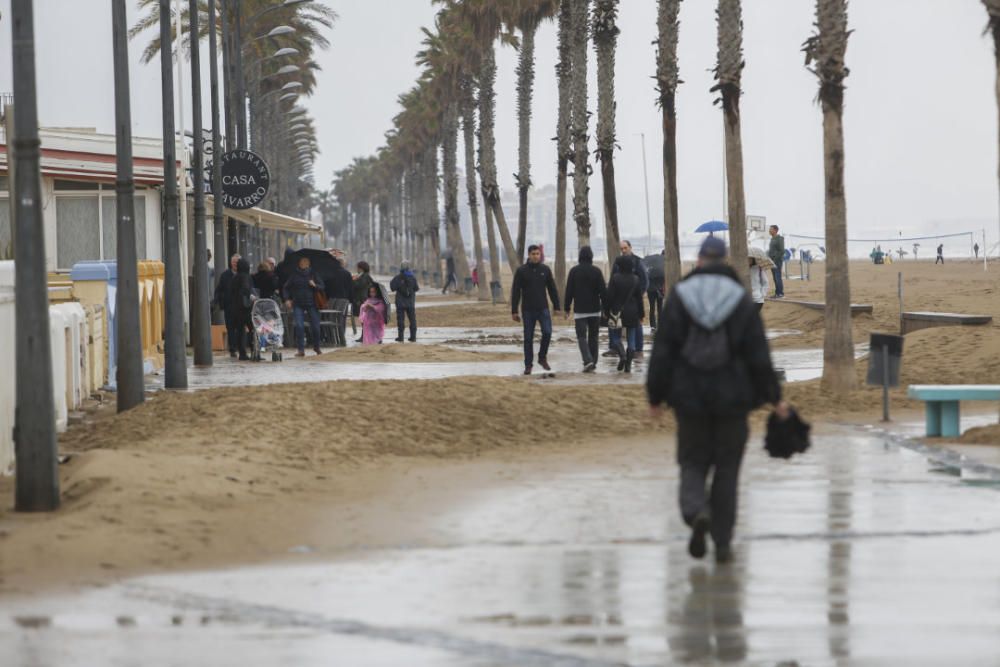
[(585, 289), (625, 303), (639, 269), (221, 301), (404, 284), (240, 303), (711, 363)]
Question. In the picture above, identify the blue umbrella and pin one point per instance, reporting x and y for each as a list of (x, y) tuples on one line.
[(712, 226)]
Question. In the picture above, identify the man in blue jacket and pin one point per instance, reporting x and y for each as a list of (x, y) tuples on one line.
[(405, 286), (300, 296)]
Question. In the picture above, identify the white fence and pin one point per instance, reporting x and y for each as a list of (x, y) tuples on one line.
[(71, 376)]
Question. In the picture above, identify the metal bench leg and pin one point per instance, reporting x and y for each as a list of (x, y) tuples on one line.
[(932, 410), (950, 418)]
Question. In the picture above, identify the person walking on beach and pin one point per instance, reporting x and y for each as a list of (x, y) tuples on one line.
[(975, 249), (451, 278), (373, 317), (940, 254), (532, 281), (300, 298), (776, 251), (655, 292), (240, 303), (625, 311), (221, 301), (585, 289), (405, 286), (711, 363), (639, 270)]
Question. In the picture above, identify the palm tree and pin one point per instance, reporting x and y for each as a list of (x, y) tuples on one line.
[(993, 8), (605, 27), (580, 119), (667, 77), (825, 53), (468, 104), (564, 146), (728, 73), (533, 12)]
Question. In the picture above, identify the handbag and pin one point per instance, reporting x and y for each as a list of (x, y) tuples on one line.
[(319, 298), (615, 320)]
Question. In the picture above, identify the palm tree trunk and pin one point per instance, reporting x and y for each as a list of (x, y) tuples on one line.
[(606, 39), (487, 152), (469, 139), (525, 88), (667, 79), (827, 49), (729, 74), (993, 7), (449, 160), (564, 149), (580, 121)]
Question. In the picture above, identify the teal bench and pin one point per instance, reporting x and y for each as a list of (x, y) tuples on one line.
[(942, 404)]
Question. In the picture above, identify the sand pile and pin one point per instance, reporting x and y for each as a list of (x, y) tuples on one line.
[(983, 435), (391, 352)]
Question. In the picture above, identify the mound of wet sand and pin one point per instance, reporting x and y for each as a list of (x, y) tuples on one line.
[(411, 353), (983, 435)]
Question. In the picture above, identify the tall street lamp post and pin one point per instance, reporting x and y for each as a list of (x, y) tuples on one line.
[(201, 338), (129, 345), (37, 483), (175, 362), (221, 261)]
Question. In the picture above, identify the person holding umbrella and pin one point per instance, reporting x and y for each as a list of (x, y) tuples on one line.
[(300, 297)]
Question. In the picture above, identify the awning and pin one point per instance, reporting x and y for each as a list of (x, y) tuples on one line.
[(259, 217)]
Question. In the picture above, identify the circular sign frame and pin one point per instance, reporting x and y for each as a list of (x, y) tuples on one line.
[(246, 179)]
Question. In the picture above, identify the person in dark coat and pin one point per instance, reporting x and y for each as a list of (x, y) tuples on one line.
[(240, 302), (532, 281), (404, 284), (625, 303), (341, 284), (221, 301), (586, 290), (655, 292), (711, 363), (265, 281), (639, 269), (359, 290), (300, 297)]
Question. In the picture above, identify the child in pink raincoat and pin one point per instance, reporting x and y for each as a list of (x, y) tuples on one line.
[(372, 318)]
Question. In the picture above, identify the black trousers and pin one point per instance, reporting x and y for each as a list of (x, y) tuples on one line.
[(401, 314), (238, 334), (655, 306), (587, 331), (711, 444)]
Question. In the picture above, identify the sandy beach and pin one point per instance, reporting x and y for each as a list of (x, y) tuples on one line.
[(224, 476)]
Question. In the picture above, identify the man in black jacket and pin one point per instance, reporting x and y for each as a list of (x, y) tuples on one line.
[(531, 282), (639, 270), (221, 301), (585, 287), (404, 284), (711, 363)]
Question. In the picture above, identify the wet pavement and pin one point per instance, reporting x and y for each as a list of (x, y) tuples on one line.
[(860, 552), (564, 356)]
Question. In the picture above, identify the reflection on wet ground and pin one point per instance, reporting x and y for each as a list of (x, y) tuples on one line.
[(799, 365), (859, 552)]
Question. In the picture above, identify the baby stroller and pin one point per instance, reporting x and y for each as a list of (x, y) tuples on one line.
[(268, 327)]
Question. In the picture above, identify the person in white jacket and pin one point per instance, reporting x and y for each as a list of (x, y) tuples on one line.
[(759, 284)]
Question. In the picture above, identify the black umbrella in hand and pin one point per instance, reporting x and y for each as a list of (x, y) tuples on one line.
[(322, 262)]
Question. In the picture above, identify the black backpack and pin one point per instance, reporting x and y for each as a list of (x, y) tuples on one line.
[(707, 350), (404, 286)]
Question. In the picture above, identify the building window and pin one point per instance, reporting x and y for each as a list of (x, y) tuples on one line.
[(78, 230), (109, 223)]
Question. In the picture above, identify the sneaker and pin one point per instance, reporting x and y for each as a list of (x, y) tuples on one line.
[(590, 368), (723, 554), (399, 340), (544, 364), (527, 370), (696, 546), (610, 353)]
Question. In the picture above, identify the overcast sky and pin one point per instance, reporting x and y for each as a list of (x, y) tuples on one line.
[(920, 123)]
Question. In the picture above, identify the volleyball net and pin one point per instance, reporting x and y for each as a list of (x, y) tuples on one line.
[(901, 248)]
